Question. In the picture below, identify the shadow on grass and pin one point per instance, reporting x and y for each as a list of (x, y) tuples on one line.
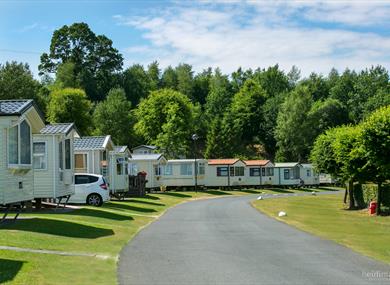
[(100, 214), (175, 194), (144, 202), (281, 190), (217, 192), (9, 269), (250, 191), (330, 189), (58, 228), (127, 207), (150, 197)]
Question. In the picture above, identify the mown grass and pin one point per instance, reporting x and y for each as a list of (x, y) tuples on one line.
[(325, 216), (103, 231)]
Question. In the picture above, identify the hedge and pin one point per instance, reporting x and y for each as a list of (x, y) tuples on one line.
[(370, 193)]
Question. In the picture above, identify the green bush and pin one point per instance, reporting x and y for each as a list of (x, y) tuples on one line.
[(370, 192)]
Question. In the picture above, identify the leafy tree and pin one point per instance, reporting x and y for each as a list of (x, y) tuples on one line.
[(293, 76), (113, 116), (153, 73), (241, 124), (343, 88), (185, 80), (380, 99), (375, 139), (166, 119), (17, 82), (327, 114), (169, 78), (217, 102), (70, 105), (293, 134), (136, 83), (239, 77), (202, 85), (317, 86), (95, 60), (66, 76), (272, 80)]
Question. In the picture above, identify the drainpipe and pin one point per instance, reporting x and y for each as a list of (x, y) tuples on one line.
[(261, 179), (228, 175)]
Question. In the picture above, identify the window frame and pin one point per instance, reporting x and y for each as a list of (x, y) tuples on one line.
[(187, 166), (45, 156), (84, 154), (253, 171), (286, 171), (219, 171), (19, 164), (65, 155)]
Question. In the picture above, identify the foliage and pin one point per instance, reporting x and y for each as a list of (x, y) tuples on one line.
[(370, 194), (375, 139), (166, 119), (17, 82), (113, 116), (70, 105), (95, 60), (136, 83), (293, 133)]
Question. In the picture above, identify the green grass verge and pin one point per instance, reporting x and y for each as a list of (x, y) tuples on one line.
[(326, 217), (102, 231)]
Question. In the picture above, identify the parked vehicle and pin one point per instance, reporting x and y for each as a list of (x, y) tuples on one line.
[(90, 189)]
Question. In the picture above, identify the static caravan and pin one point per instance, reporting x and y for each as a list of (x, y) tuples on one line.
[(225, 172), (151, 164), (181, 172), (119, 175), (19, 121), (288, 173), (53, 161), (260, 172), (91, 155), (327, 179), (308, 175), (144, 149)]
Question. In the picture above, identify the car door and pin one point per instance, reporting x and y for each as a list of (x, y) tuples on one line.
[(81, 187)]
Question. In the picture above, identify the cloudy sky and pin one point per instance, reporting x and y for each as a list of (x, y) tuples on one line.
[(313, 35)]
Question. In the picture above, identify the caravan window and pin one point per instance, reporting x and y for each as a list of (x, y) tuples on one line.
[(308, 172), (157, 170), (39, 155), (13, 145), (80, 161), (19, 144), (168, 169), (222, 171), (67, 154), (237, 171), (268, 171), (119, 168), (286, 174), (201, 168), (254, 171), (186, 169)]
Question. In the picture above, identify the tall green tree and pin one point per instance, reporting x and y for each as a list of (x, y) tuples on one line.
[(273, 80), (136, 83), (293, 134), (317, 85), (114, 116), (154, 74), (375, 139), (166, 119), (242, 121), (96, 61), (202, 85), (169, 78), (17, 82), (185, 80), (70, 105)]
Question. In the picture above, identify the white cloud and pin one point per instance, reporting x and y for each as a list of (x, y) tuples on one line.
[(259, 35)]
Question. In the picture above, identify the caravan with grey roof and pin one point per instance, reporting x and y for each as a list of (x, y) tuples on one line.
[(119, 175), (53, 161), (19, 121)]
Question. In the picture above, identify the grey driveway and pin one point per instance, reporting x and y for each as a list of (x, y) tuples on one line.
[(226, 241)]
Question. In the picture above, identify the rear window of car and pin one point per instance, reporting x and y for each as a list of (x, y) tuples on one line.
[(85, 179)]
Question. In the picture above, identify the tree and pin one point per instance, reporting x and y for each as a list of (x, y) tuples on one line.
[(169, 78), (292, 133), (66, 76), (217, 102), (327, 114), (375, 139), (242, 121), (317, 86), (136, 83), (202, 85), (166, 119), (272, 80), (113, 116), (185, 80), (95, 60), (239, 77), (70, 105), (153, 73)]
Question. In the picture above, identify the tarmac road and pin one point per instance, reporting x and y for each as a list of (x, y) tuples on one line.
[(226, 241)]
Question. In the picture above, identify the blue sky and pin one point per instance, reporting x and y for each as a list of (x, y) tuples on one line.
[(314, 36)]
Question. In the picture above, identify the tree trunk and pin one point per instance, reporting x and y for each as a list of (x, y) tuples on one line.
[(345, 194), (379, 199), (351, 196)]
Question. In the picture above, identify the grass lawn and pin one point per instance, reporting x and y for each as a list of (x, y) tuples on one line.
[(102, 231), (326, 217)]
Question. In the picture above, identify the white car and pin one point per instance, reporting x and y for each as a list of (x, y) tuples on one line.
[(90, 189)]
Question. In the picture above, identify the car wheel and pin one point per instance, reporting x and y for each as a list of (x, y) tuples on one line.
[(94, 200)]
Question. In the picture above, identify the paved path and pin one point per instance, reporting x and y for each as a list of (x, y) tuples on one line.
[(226, 241)]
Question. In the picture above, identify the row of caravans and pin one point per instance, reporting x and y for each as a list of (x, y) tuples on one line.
[(218, 172), (38, 161)]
